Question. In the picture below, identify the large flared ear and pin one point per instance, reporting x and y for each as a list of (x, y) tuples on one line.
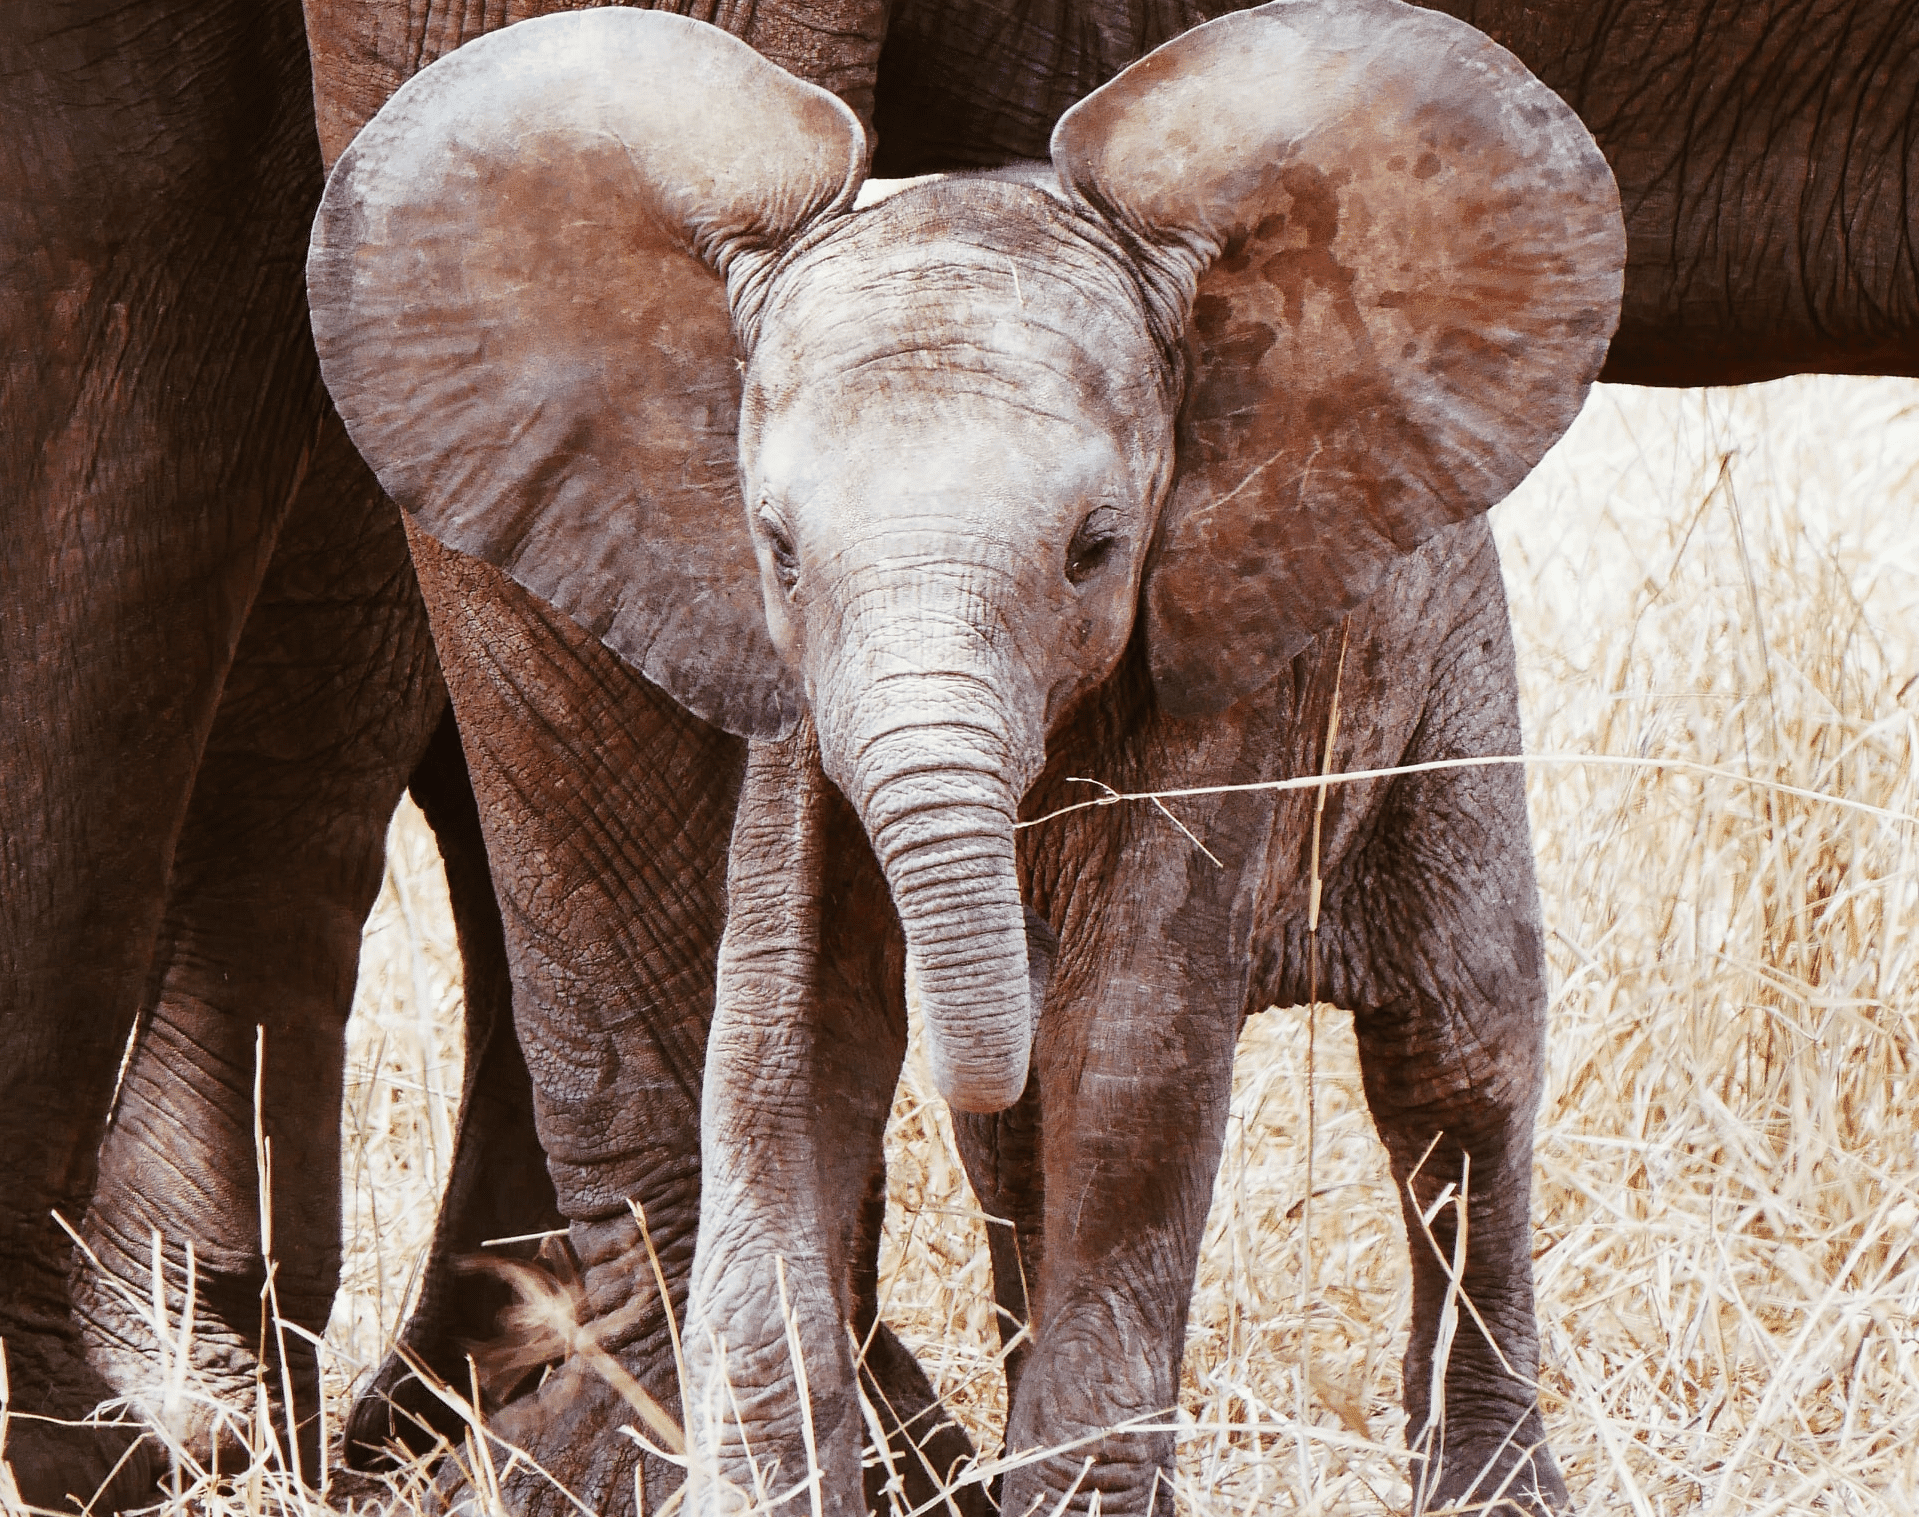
[(1397, 258), (519, 283)]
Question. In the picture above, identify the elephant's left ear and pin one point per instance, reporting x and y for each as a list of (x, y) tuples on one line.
[(1403, 256), (520, 285)]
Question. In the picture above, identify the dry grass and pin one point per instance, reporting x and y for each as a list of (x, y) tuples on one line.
[(404, 1053), (1727, 1179), (1726, 1160)]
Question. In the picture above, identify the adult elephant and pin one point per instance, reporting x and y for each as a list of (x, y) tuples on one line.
[(978, 85), (1764, 151), (609, 810), (216, 680)]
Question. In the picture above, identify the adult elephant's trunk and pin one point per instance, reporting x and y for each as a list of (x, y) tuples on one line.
[(935, 763)]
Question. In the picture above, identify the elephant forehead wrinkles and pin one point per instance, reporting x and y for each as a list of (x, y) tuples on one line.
[(981, 419), (926, 486), (919, 335), (919, 560), (936, 275)]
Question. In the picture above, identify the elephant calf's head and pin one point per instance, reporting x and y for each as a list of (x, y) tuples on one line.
[(595, 299), (955, 432), (955, 429)]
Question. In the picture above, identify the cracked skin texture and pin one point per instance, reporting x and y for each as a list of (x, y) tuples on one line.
[(218, 683)]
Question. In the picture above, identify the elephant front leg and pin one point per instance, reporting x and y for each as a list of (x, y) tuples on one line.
[(808, 1035)]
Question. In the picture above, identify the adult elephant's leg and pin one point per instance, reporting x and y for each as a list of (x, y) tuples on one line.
[(497, 1185), (808, 1036), (333, 694), (607, 809), (1431, 934), (608, 812), (157, 179)]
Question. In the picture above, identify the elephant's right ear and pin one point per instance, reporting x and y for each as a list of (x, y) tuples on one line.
[(519, 283)]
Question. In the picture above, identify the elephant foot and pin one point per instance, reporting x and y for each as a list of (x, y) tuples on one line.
[(571, 1440), (197, 1382), (397, 1416), (571, 1433), (59, 1459), (929, 1457), (1505, 1473), (557, 1450), (600, 1356)]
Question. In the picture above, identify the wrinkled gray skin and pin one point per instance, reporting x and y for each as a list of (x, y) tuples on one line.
[(961, 413), (968, 84), (960, 565), (958, 578), (1763, 148), (608, 811)]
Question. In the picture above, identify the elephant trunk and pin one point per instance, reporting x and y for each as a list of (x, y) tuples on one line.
[(935, 771)]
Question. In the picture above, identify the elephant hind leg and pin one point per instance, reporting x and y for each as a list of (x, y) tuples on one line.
[(1453, 1080), (587, 777), (925, 1446), (1001, 1152), (1430, 933), (926, 1449)]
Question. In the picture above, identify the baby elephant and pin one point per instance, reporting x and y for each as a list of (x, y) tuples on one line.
[(1136, 467)]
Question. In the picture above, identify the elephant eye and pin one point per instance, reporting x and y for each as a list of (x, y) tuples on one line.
[(786, 561), (1092, 544)]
